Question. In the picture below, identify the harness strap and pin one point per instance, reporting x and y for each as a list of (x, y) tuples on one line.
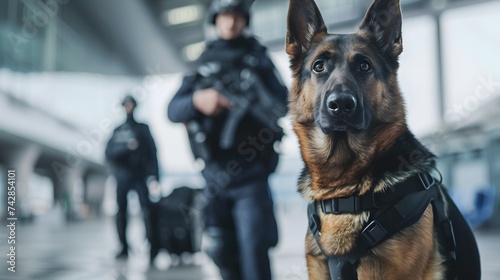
[(342, 269), (401, 215), (356, 204), (385, 222), (445, 226)]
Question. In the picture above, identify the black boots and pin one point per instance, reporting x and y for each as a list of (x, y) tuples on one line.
[(123, 254)]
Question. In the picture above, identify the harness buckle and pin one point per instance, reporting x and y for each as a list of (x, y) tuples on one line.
[(339, 205), (427, 180), (373, 233), (348, 205), (331, 206), (328, 206)]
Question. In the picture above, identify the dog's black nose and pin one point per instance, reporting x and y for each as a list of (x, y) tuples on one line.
[(341, 103)]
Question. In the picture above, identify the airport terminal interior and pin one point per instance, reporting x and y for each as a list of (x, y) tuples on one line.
[(66, 65)]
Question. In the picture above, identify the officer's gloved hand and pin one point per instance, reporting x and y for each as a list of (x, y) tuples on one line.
[(210, 102), (132, 144), (154, 189)]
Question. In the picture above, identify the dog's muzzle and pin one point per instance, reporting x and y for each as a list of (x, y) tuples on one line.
[(341, 104), (341, 111)]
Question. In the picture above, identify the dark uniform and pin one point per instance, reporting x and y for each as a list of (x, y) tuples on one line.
[(239, 216), (132, 168)]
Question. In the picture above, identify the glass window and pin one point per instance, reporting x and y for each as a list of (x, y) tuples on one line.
[(471, 59), (418, 74)]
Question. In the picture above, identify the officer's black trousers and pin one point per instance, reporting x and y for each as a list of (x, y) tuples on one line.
[(126, 183), (246, 212)]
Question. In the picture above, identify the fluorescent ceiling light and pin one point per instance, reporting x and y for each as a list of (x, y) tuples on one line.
[(182, 15), (193, 51)]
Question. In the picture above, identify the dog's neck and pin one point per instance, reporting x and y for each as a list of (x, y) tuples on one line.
[(354, 167)]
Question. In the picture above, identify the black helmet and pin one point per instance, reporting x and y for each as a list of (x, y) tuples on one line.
[(129, 98), (221, 6)]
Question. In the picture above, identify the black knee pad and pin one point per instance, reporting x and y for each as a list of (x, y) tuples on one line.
[(220, 244)]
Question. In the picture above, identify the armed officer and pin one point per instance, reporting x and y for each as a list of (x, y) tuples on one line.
[(239, 218), (131, 151)]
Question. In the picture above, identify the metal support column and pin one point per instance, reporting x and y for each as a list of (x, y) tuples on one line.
[(440, 66)]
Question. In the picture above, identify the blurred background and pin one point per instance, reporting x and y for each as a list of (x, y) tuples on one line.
[(65, 66)]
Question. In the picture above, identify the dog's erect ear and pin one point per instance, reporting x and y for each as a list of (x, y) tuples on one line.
[(383, 20), (304, 21)]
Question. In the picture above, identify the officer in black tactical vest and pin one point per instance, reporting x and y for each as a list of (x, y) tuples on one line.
[(131, 151), (230, 107)]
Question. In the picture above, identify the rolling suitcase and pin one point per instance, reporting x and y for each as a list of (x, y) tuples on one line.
[(178, 222)]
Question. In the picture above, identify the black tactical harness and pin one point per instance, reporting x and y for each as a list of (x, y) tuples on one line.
[(390, 212)]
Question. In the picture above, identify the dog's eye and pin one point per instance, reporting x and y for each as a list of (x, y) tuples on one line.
[(319, 66), (365, 66)]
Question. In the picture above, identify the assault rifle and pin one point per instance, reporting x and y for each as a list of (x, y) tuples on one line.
[(244, 89)]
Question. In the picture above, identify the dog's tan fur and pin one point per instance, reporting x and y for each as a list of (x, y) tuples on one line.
[(338, 167)]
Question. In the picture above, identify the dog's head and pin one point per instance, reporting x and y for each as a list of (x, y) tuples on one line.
[(345, 100), (345, 88), (350, 80)]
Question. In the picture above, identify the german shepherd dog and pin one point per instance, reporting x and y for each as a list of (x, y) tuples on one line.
[(349, 116)]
